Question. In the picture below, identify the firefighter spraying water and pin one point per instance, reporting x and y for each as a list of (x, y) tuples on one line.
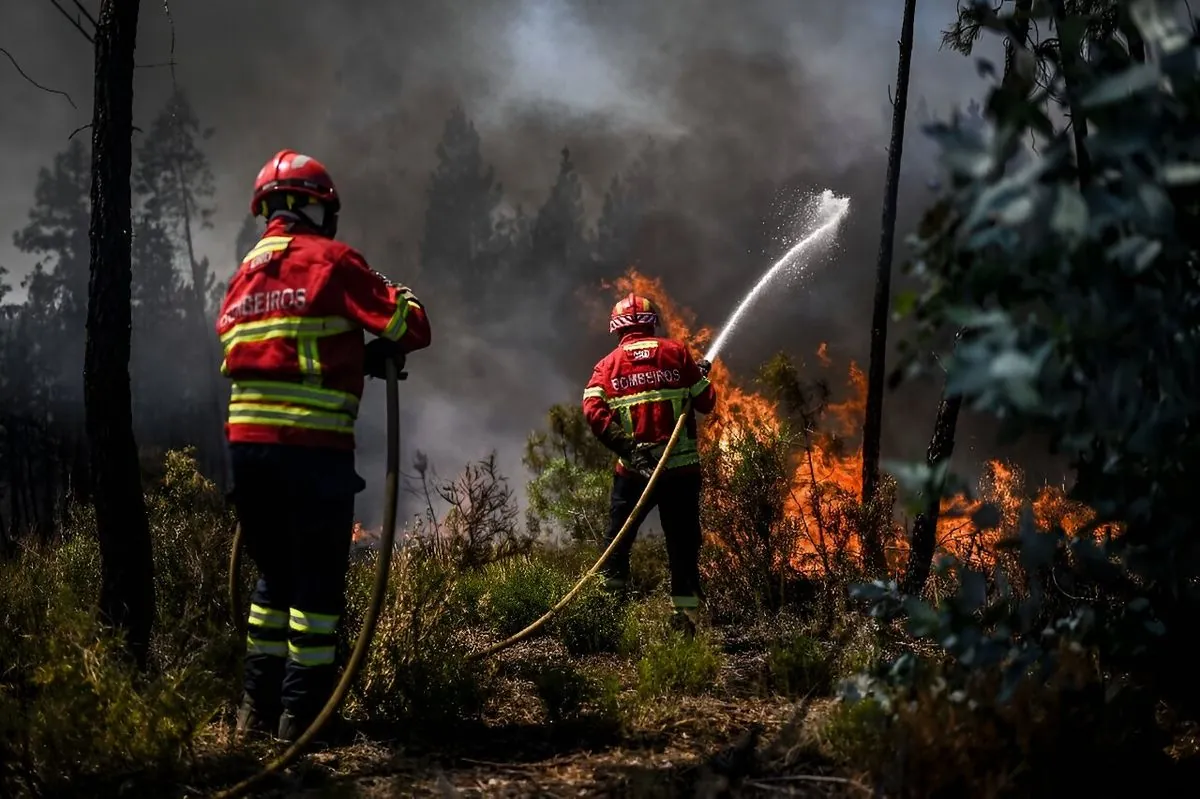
[(641, 403)]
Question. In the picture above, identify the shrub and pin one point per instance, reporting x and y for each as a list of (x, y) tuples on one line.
[(519, 591), (677, 665), (800, 665), (594, 622), (73, 709), (571, 694), (416, 671), (572, 477)]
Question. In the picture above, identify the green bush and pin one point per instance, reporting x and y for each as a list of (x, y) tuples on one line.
[(594, 622), (677, 665), (73, 709), (571, 694), (800, 665), (855, 733), (416, 671), (519, 591)]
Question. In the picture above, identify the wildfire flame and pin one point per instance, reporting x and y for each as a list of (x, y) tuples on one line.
[(826, 487)]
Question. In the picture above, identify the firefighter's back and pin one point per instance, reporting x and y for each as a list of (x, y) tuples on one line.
[(295, 360)]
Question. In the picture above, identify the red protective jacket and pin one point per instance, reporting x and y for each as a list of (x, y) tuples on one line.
[(643, 383), (292, 328)]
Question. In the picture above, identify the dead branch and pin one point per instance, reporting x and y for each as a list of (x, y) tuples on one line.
[(33, 82), (75, 22)]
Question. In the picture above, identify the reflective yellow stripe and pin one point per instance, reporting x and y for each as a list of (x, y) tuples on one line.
[(268, 618), (661, 395), (398, 324), (700, 387), (285, 327), (257, 646), (595, 391), (639, 345), (310, 358), (311, 655), (289, 416), (258, 391), (266, 245), (313, 622), (688, 457)]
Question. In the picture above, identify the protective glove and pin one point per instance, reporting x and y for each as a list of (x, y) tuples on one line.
[(645, 457), (378, 352), (705, 366), (617, 440)]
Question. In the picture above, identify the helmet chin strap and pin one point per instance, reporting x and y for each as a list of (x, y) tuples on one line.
[(315, 215)]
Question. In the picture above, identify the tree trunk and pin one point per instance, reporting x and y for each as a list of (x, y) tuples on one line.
[(127, 569), (1069, 59), (924, 532), (873, 421)]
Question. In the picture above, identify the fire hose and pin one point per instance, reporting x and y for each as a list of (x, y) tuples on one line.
[(367, 633), (617, 539)]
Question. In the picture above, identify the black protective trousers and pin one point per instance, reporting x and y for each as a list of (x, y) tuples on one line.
[(677, 497), (296, 508)]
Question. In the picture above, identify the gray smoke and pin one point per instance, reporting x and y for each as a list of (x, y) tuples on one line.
[(748, 100)]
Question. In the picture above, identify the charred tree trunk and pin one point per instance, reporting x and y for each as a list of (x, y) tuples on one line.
[(127, 569), (924, 532), (873, 421)]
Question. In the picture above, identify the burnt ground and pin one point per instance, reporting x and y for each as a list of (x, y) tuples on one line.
[(737, 740)]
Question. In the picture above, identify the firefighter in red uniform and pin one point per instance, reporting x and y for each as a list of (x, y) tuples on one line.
[(292, 328), (632, 404)]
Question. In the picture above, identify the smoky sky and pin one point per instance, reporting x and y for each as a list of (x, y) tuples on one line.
[(754, 101)]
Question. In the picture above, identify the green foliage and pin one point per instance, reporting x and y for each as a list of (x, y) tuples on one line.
[(72, 707), (676, 665), (571, 694), (416, 669), (1072, 273), (747, 487), (855, 732), (799, 666), (519, 591), (572, 477), (594, 622)]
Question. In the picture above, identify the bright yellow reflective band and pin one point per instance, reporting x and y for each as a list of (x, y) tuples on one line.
[(255, 646), (269, 618), (255, 391), (595, 391), (313, 622), (398, 324), (661, 395), (287, 416), (285, 327), (266, 245), (311, 655), (700, 387), (310, 359)]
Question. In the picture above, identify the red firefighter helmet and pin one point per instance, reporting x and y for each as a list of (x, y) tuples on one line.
[(291, 172), (632, 311)]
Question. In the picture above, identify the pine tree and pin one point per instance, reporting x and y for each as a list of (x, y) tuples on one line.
[(461, 248), (176, 185), (559, 244), (629, 198), (57, 232)]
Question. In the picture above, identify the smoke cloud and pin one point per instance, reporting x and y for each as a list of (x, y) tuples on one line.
[(747, 103)]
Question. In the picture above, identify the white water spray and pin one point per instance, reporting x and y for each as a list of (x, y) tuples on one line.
[(828, 215)]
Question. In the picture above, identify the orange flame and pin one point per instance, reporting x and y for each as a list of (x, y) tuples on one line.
[(826, 487)]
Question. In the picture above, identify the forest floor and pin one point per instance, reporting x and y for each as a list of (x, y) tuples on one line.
[(736, 739)]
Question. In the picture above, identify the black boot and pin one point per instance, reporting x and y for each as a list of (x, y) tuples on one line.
[(683, 622), (251, 720), (333, 732)]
